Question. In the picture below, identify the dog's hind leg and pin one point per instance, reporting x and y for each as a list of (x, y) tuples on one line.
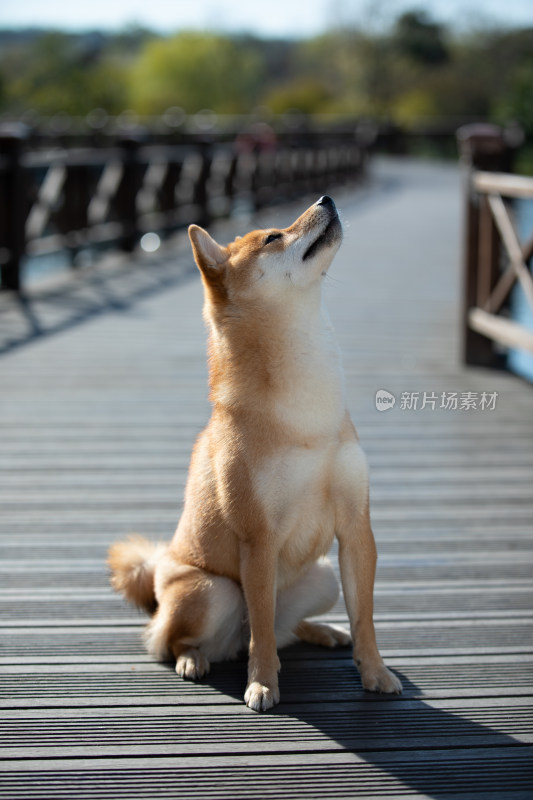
[(199, 619), (322, 633), (314, 593)]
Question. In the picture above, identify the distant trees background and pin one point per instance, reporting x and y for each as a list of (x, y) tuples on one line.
[(418, 71)]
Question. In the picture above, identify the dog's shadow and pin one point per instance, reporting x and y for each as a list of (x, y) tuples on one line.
[(429, 746)]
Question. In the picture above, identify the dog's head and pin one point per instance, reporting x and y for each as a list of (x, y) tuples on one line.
[(267, 264)]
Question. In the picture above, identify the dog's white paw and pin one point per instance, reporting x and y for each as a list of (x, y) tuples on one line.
[(377, 678), (261, 698), (192, 664)]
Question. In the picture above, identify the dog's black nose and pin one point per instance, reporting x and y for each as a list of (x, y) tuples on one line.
[(325, 201)]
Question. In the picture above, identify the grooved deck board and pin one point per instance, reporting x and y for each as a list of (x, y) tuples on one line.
[(97, 419)]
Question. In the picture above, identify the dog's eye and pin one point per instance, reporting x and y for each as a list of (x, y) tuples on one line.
[(272, 237)]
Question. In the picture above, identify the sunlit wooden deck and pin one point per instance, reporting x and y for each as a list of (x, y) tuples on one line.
[(103, 389)]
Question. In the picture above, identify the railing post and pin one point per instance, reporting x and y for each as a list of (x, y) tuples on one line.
[(230, 180), (201, 193), (481, 147), (73, 217), (13, 206), (127, 196)]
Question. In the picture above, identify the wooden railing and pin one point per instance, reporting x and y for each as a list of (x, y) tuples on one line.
[(69, 198), (495, 259)]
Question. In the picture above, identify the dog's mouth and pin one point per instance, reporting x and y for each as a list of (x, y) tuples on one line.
[(326, 237)]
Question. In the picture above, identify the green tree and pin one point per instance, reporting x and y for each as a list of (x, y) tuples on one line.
[(196, 71), (49, 78), (517, 104), (419, 38), (63, 73), (415, 70), (307, 95)]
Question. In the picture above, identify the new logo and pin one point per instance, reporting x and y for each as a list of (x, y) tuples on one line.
[(384, 400)]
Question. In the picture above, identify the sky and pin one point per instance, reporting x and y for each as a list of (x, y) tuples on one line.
[(269, 18)]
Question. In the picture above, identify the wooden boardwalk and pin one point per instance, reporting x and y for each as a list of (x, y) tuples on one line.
[(103, 389)]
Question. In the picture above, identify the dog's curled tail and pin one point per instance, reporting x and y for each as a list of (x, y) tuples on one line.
[(132, 565)]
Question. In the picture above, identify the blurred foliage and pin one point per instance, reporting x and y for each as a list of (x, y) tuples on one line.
[(420, 39), (415, 72), (304, 94), (63, 73), (196, 71)]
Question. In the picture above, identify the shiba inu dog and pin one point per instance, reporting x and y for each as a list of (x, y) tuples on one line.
[(277, 473)]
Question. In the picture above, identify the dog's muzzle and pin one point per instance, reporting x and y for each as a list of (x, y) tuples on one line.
[(330, 233)]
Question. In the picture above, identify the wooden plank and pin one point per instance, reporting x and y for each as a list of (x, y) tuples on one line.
[(502, 330), (490, 773), (503, 183), (512, 245), (324, 727), (144, 683)]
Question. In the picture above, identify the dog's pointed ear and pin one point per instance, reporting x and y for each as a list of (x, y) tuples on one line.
[(207, 252)]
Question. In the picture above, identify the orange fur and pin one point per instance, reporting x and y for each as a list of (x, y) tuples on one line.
[(132, 564), (275, 475)]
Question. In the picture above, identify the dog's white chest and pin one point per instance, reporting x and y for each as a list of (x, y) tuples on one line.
[(293, 488), (302, 492)]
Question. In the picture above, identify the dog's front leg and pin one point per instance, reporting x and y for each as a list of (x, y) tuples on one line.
[(357, 561), (258, 577)]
